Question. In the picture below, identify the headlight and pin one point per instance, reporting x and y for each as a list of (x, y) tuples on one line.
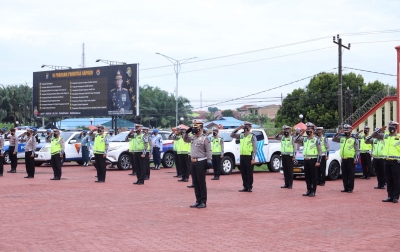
[(114, 148), (45, 149)]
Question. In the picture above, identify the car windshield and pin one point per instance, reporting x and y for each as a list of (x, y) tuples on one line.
[(226, 136), (121, 137), (66, 135)]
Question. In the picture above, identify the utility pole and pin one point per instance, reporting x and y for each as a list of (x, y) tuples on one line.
[(340, 91)]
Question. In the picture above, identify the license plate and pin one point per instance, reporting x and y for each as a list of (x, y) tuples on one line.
[(296, 169)]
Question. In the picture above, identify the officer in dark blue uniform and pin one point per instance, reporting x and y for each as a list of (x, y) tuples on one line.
[(120, 98)]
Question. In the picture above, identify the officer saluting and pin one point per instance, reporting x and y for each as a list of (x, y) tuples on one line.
[(365, 153), (248, 151), (378, 146), (1, 151), (312, 158), (57, 148), (200, 153), (392, 162), (288, 152), (49, 136), (30, 148), (349, 152), (13, 150), (217, 147), (100, 148)]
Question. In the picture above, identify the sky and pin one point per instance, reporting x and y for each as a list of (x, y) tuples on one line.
[(242, 47)]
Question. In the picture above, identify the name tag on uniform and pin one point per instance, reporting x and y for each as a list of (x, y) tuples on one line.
[(123, 97)]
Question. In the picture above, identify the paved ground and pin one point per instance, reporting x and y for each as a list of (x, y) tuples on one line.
[(76, 214)]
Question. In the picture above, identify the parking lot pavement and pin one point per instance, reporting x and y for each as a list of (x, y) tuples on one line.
[(76, 214)]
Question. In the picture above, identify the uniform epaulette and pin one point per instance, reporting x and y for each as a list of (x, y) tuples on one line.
[(124, 89), (112, 90)]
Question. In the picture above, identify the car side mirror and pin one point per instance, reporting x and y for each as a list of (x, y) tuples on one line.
[(72, 141), (237, 141)]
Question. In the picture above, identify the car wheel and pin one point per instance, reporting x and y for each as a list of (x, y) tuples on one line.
[(80, 162), (275, 163), (124, 161), (38, 163), (227, 165), (333, 170), (6, 157), (168, 160)]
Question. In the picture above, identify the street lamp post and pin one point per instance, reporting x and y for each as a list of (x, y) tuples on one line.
[(57, 67), (111, 62), (177, 68), (301, 117)]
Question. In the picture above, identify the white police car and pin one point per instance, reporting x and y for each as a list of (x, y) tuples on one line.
[(72, 152)]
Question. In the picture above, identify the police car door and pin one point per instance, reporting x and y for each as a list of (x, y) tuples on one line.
[(260, 157)]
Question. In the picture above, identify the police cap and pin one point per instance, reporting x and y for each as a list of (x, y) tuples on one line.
[(197, 124), (393, 123), (247, 124), (320, 128), (310, 125), (285, 127), (215, 129), (111, 130), (347, 127), (366, 127)]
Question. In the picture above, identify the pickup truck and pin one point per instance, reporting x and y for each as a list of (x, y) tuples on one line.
[(268, 152)]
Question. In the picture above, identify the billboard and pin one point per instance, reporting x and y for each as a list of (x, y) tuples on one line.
[(96, 91)]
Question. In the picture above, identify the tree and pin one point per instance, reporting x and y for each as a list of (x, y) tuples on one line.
[(212, 109), (227, 112), (158, 107), (318, 101)]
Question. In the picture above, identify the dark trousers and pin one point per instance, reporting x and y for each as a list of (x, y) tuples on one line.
[(1, 165), (246, 168), (184, 165), (147, 165), (56, 165), (85, 154), (379, 165), (311, 174), (216, 160), (348, 170), (392, 172), (132, 157), (199, 180), (101, 167), (287, 167), (140, 166), (13, 158), (156, 156), (366, 164), (177, 165), (29, 164), (322, 171)]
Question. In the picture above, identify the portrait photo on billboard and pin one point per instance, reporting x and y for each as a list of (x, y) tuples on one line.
[(122, 90)]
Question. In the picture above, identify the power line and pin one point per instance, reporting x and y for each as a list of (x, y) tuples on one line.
[(283, 85), (370, 71), (378, 41), (245, 62)]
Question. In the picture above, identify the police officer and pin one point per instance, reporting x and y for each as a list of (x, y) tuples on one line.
[(2, 151), (49, 135), (100, 148), (217, 148), (147, 157), (392, 162), (57, 148), (378, 146), (288, 154), (35, 134), (12, 150), (365, 152), (349, 152), (30, 147), (120, 96), (201, 155), (248, 152), (312, 158), (85, 139), (176, 135), (156, 143), (131, 139), (183, 149), (140, 149), (325, 156)]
